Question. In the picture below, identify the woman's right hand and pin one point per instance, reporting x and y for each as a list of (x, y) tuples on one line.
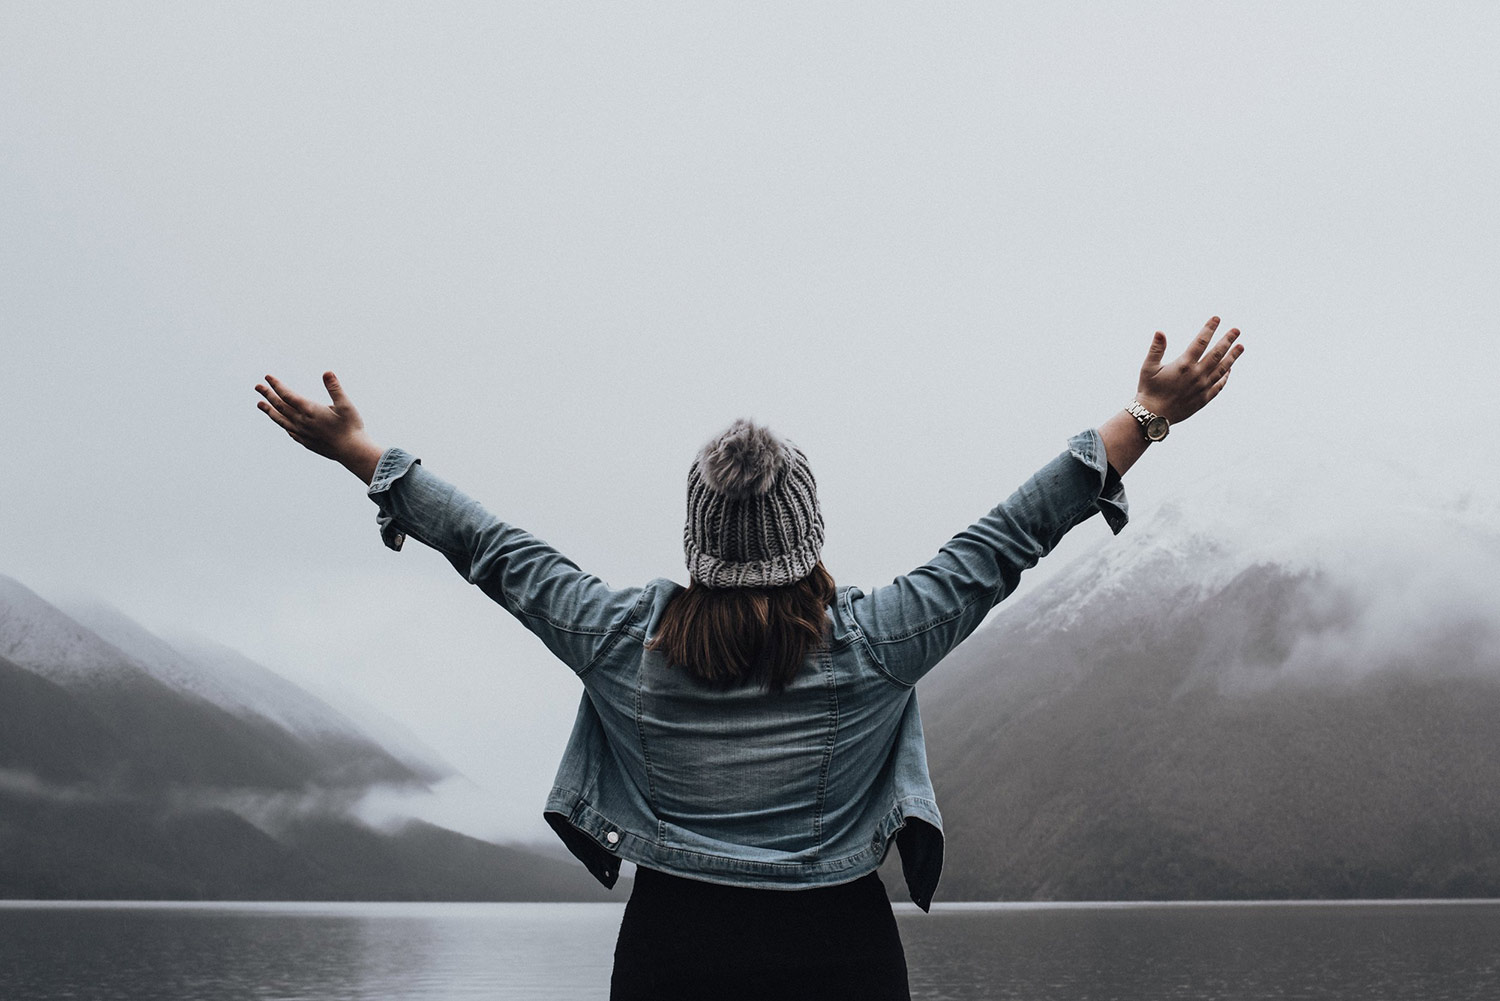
[(336, 432), (1180, 388)]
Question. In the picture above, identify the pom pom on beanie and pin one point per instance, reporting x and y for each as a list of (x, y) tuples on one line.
[(743, 462)]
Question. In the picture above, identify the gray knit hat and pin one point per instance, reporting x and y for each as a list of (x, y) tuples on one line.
[(752, 511)]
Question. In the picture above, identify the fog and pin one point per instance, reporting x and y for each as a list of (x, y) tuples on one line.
[(551, 249)]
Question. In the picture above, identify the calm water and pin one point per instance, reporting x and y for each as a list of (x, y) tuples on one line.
[(449, 952)]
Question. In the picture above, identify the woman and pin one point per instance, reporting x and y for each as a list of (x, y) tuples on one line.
[(752, 741)]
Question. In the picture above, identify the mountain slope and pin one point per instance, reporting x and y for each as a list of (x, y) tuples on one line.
[(158, 707), (46, 735), (130, 850), (1202, 712), (344, 754), (132, 769)]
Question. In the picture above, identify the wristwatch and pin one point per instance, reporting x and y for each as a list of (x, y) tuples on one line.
[(1153, 426)]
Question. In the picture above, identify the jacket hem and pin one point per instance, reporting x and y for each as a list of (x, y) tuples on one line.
[(600, 844)]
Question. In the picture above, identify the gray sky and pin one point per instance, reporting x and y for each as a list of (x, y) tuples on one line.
[(551, 248)]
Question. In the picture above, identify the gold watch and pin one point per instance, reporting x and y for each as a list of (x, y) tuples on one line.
[(1154, 427)]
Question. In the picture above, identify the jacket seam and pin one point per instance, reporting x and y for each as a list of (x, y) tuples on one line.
[(886, 672), (575, 629), (858, 634), (572, 629), (512, 603), (831, 865), (517, 607), (640, 733), (928, 627), (1068, 523), (614, 633), (828, 745)]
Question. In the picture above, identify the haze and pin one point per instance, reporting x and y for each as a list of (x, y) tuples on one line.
[(552, 248)]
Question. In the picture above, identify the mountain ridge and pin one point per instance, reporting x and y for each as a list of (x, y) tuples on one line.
[(132, 770), (1193, 714)]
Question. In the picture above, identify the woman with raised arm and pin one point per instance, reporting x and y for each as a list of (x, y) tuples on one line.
[(751, 741)]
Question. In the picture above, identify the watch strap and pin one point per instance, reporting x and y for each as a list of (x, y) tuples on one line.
[(1145, 418)]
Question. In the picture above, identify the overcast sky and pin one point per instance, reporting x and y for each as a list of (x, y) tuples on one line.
[(551, 248)]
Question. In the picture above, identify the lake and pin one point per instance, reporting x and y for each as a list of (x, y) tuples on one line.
[(1432, 951)]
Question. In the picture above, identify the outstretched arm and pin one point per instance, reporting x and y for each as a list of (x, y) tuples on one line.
[(913, 622), (335, 432), (573, 612)]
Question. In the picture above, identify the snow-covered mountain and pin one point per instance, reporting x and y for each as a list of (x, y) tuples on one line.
[(132, 767), (186, 722), (237, 684), (225, 678), (40, 638), (1252, 691)]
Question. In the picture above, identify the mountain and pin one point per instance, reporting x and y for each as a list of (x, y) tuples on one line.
[(345, 753), (136, 850), (47, 735), (177, 724), (134, 768), (337, 717), (1240, 697)]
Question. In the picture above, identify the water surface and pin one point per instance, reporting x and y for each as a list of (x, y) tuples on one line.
[(458, 952)]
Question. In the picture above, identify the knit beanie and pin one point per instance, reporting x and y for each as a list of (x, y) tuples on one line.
[(752, 511)]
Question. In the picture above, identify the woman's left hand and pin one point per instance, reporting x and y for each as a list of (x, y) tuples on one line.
[(334, 431)]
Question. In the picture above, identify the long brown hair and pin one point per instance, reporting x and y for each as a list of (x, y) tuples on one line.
[(732, 636)]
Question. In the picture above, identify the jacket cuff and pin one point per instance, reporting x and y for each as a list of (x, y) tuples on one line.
[(393, 465), (1088, 448)]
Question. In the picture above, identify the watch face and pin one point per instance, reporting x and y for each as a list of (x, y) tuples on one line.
[(1156, 428)]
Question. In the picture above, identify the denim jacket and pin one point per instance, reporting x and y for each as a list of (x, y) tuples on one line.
[(805, 787)]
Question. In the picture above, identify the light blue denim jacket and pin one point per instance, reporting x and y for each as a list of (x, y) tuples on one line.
[(806, 787)]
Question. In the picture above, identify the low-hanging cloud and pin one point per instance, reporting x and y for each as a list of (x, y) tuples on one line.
[(1384, 571)]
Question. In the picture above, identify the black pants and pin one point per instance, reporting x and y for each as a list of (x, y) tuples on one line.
[(685, 939)]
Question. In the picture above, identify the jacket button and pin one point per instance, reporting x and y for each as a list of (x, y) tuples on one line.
[(613, 837)]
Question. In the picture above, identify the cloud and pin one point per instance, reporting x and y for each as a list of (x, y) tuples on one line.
[(455, 803), (1387, 571), (19, 782)]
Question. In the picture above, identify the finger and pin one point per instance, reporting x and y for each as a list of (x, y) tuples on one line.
[(1218, 386), (1155, 352), (1220, 350), (273, 399), (291, 399), (335, 391), (1228, 362), (276, 416), (1200, 343)]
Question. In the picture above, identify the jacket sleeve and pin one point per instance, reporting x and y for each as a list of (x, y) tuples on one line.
[(574, 613), (912, 623)]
